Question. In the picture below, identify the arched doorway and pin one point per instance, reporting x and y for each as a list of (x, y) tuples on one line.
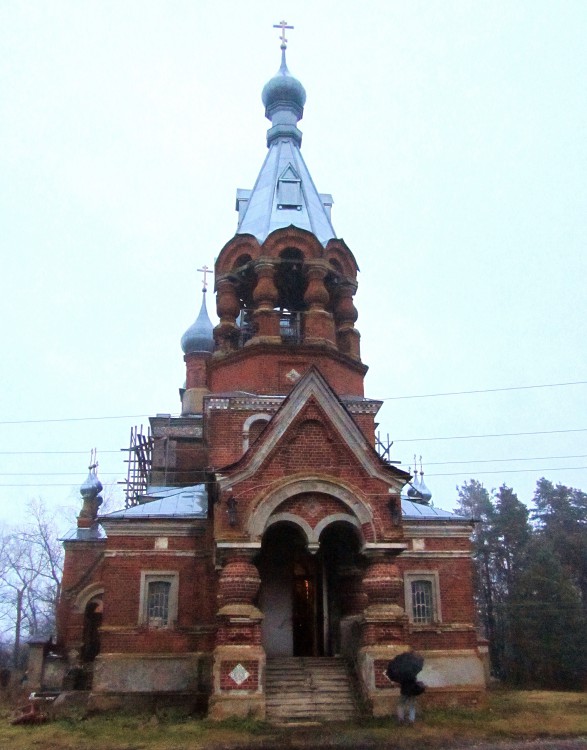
[(91, 631), (301, 594)]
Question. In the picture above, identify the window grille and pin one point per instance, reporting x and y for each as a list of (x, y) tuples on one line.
[(422, 602), (158, 603), (290, 327)]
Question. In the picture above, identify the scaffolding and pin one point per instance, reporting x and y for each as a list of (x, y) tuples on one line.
[(383, 447), (139, 460)]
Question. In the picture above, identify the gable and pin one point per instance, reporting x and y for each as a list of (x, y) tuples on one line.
[(311, 430)]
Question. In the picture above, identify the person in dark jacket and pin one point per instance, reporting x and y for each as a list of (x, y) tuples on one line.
[(410, 689)]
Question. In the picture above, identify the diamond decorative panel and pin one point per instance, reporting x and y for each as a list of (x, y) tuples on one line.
[(239, 674)]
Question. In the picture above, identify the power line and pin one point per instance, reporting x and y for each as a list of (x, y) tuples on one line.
[(486, 390), (75, 419), (395, 440), (507, 471), (489, 435), (388, 398), (191, 471), (49, 453), (444, 474), (497, 460)]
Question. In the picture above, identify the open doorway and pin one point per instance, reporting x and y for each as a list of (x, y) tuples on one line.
[(302, 594)]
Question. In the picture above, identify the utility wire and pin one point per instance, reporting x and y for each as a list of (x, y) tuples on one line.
[(489, 435), (388, 398), (75, 419), (191, 471), (448, 474), (508, 471), (395, 440), (485, 390)]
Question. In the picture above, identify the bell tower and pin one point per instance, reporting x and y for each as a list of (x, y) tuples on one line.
[(285, 282)]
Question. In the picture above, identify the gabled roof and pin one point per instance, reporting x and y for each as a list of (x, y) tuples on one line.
[(166, 502), (422, 512), (264, 208), (312, 385)]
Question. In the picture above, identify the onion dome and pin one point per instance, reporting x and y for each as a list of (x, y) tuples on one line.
[(425, 493), (199, 336), (90, 491), (92, 487), (414, 489), (284, 98), (283, 90)]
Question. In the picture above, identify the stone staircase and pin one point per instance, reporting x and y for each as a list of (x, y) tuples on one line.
[(309, 689)]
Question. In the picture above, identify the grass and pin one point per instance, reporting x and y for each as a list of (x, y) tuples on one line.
[(506, 715)]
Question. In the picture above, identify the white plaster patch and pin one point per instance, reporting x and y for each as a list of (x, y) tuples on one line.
[(239, 674), (419, 544), (161, 542)]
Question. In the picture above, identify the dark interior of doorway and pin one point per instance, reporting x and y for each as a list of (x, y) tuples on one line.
[(317, 603)]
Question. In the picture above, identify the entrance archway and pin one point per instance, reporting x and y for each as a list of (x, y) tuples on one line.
[(91, 631), (302, 596)]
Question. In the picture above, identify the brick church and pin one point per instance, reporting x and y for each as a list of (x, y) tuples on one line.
[(267, 542)]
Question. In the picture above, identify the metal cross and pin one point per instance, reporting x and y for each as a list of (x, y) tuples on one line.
[(205, 270), (283, 26)]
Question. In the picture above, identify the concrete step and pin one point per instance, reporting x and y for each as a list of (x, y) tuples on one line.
[(309, 689)]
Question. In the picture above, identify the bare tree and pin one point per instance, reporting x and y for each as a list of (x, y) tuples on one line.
[(31, 564)]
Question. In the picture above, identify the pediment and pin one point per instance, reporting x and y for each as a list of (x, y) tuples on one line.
[(313, 418)]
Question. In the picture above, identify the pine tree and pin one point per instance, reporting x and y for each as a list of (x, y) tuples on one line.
[(475, 502), (510, 534), (561, 513), (547, 624)]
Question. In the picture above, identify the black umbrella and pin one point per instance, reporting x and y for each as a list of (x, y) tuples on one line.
[(405, 667)]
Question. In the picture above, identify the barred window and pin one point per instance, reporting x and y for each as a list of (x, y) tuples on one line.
[(422, 592), (158, 603), (422, 602), (159, 597)]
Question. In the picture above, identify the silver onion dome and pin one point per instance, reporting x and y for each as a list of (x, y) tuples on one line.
[(199, 337), (92, 487), (283, 90), (284, 98)]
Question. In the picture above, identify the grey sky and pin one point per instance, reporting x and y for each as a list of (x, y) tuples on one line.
[(452, 136)]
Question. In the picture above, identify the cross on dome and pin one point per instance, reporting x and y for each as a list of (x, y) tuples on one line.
[(205, 270), (283, 26)]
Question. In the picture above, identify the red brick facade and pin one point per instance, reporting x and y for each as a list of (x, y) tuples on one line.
[(271, 527)]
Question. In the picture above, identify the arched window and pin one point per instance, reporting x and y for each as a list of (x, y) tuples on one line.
[(252, 428)]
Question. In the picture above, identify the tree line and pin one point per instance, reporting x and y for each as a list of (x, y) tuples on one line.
[(530, 568)]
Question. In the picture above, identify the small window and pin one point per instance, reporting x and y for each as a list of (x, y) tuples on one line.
[(422, 598), (422, 610), (289, 190), (158, 606), (158, 603)]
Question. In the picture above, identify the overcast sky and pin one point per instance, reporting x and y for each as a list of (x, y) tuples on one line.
[(452, 136)]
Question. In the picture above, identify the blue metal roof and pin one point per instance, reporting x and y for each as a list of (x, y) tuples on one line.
[(167, 502), (284, 193), (422, 512), (92, 534), (261, 211)]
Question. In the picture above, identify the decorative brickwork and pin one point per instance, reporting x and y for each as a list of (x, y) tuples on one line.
[(227, 678)]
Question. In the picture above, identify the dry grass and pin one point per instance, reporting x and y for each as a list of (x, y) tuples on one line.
[(507, 715)]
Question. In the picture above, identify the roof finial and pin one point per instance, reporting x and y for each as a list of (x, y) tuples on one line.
[(205, 270), (283, 26)]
